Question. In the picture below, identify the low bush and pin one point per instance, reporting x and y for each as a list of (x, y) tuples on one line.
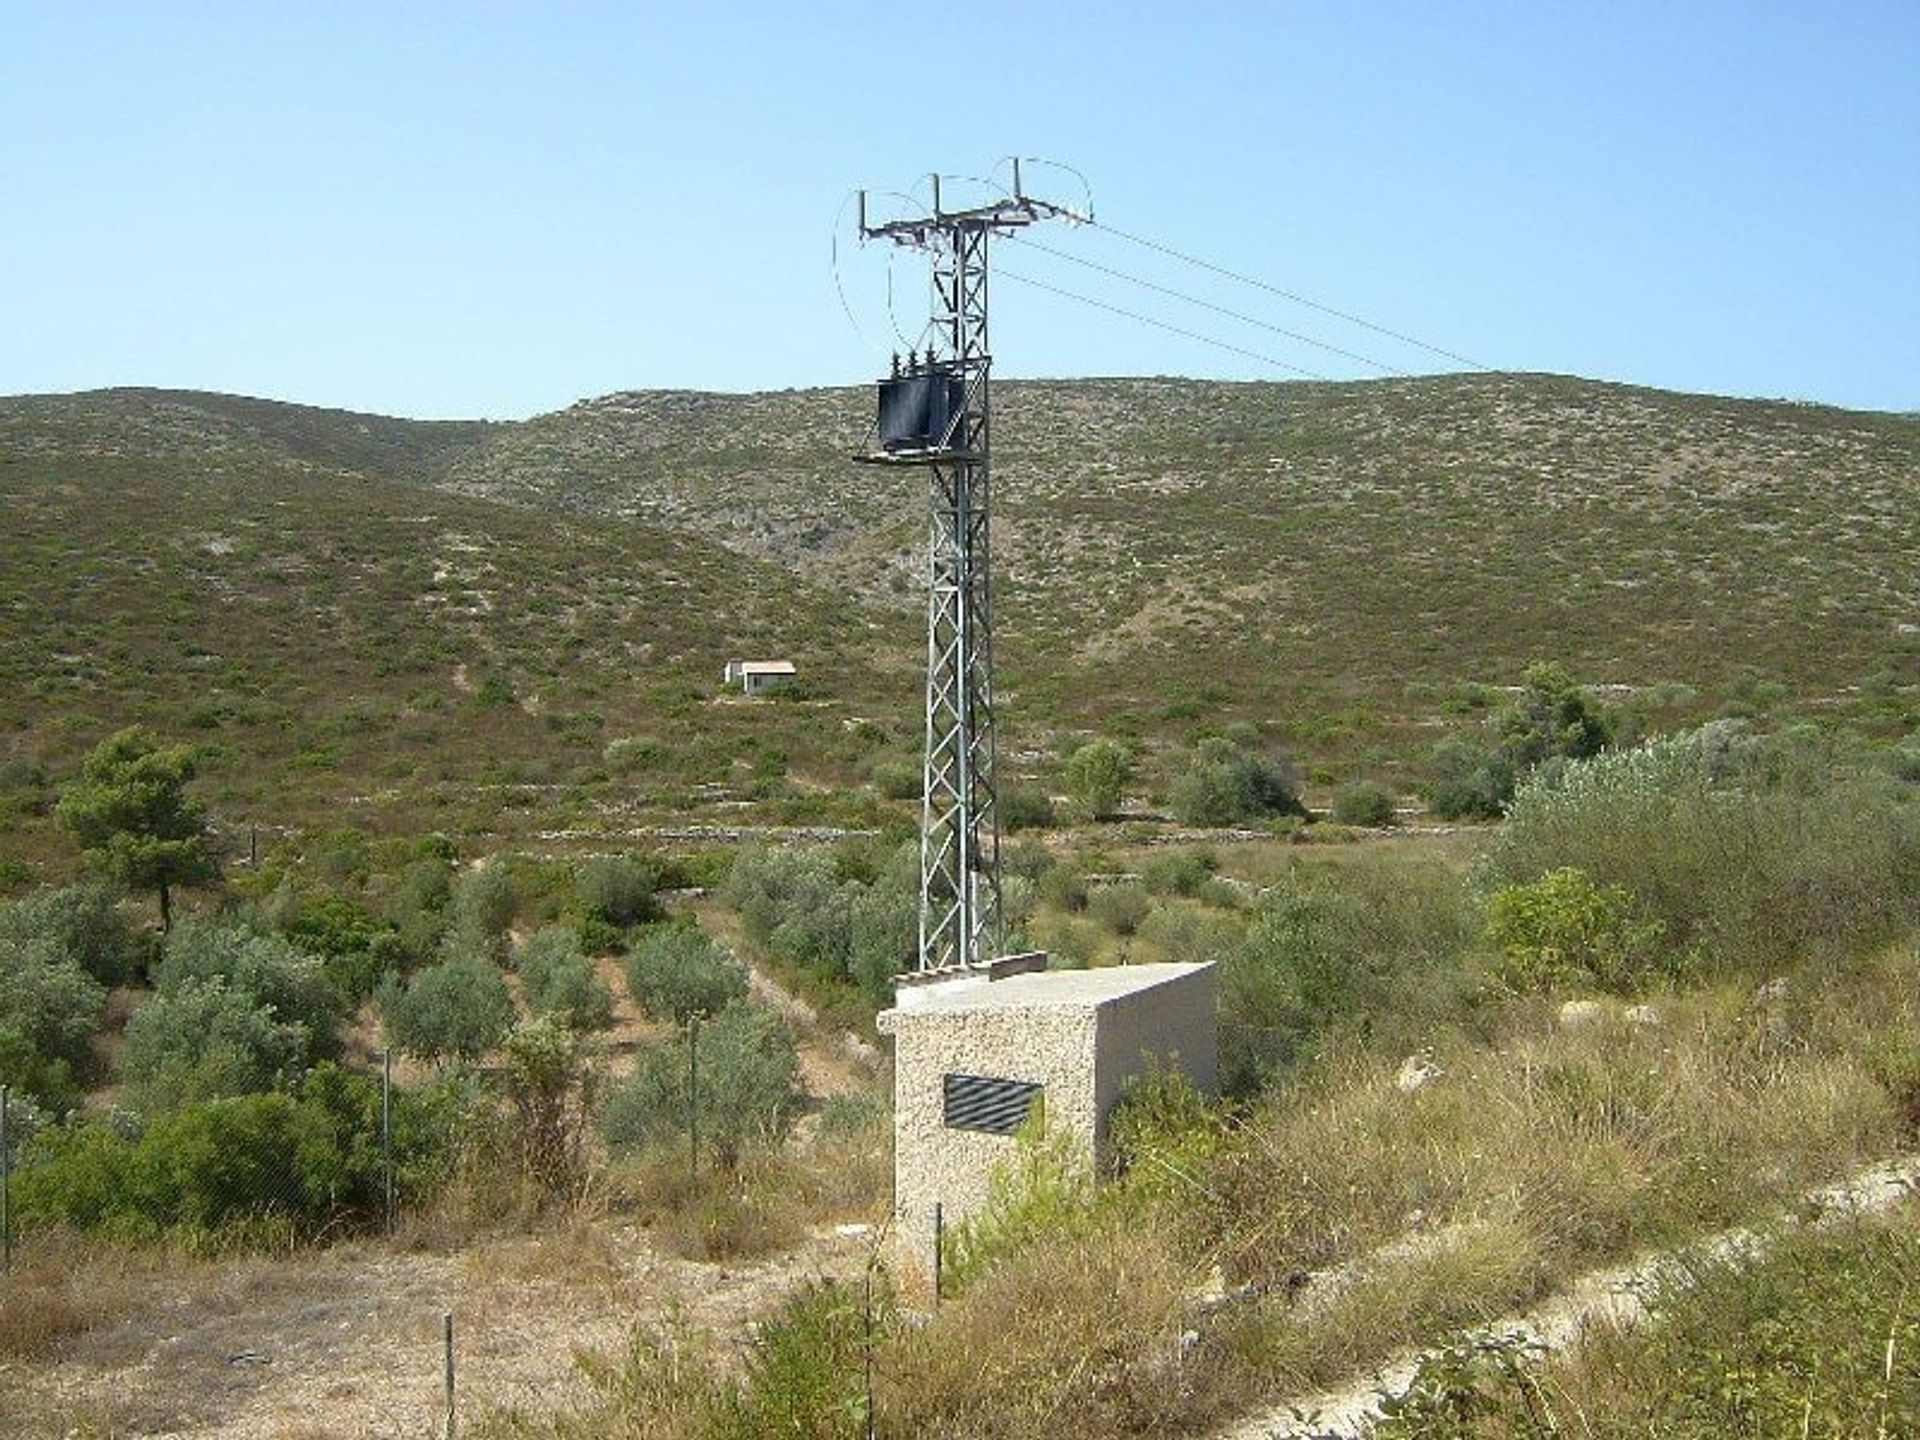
[(1041, 1192), (82, 922), (268, 970), (618, 889), (1121, 908), (459, 1008), (1467, 780), (205, 1038), (304, 1160), (1224, 784), (1181, 872), (1377, 956), (51, 1010), (1564, 928), (1752, 851), (1025, 807), (1097, 775), (746, 1072), (551, 1084), (1364, 802), (482, 905), (676, 970), (559, 980)]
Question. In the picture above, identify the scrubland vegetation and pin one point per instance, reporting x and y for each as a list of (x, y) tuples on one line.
[(1521, 974), (1670, 992)]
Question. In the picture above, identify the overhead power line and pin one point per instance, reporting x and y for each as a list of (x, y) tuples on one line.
[(1065, 294), (1285, 294), (1195, 300)]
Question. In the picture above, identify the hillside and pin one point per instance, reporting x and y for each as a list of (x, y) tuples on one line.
[(355, 650), (1328, 557), (436, 613)]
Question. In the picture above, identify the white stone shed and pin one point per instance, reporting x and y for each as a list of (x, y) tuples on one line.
[(973, 1057), (758, 676)]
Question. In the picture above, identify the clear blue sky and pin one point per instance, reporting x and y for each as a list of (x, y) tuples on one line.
[(488, 209)]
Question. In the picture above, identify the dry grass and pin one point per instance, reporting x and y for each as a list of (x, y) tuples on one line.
[(766, 1204), (1081, 1337)]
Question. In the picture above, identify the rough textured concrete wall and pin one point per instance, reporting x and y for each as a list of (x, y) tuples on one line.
[(1173, 1023), (1080, 1047), (1051, 1048)]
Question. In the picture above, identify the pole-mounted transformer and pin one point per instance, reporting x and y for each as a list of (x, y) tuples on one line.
[(933, 412)]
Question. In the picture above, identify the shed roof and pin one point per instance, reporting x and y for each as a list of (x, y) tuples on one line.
[(1049, 990)]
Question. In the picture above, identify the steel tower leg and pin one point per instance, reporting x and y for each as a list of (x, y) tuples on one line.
[(960, 915)]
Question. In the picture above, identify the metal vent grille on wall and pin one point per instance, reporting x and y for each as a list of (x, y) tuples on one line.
[(999, 1107)]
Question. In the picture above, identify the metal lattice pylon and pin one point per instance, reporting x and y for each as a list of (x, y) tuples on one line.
[(960, 910)]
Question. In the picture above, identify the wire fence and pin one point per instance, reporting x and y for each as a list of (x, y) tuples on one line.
[(337, 1153), (343, 1154)]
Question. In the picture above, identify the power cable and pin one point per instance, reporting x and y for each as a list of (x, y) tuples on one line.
[(1185, 298), (1284, 294), (839, 288), (1013, 275)]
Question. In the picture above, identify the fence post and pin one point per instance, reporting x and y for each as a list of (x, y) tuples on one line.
[(938, 1246), (6, 1186), (693, 1098), (447, 1349), (386, 1131)]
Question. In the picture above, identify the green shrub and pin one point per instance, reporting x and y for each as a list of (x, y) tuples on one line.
[(1181, 872), (1467, 780), (1120, 908), (675, 971), (1363, 802), (884, 929), (1024, 807), (1164, 1134), (483, 903), (617, 889), (1224, 784), (268, 971), (552, 1087), (1563, 927), (629, 753), (1042, 1192), (1378, 955), (1097, 775), (355, 948), (52, 1008), (458, 1008), (794, 903), (748, 1081), (559, 980), (897, 779), (575, 995), (1064, 887), (310, 1157), (1752, 851), (206, 1038), (83, 922), (805, 1372)]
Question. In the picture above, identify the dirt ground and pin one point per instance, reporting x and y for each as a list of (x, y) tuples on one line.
[(349, 1342)]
